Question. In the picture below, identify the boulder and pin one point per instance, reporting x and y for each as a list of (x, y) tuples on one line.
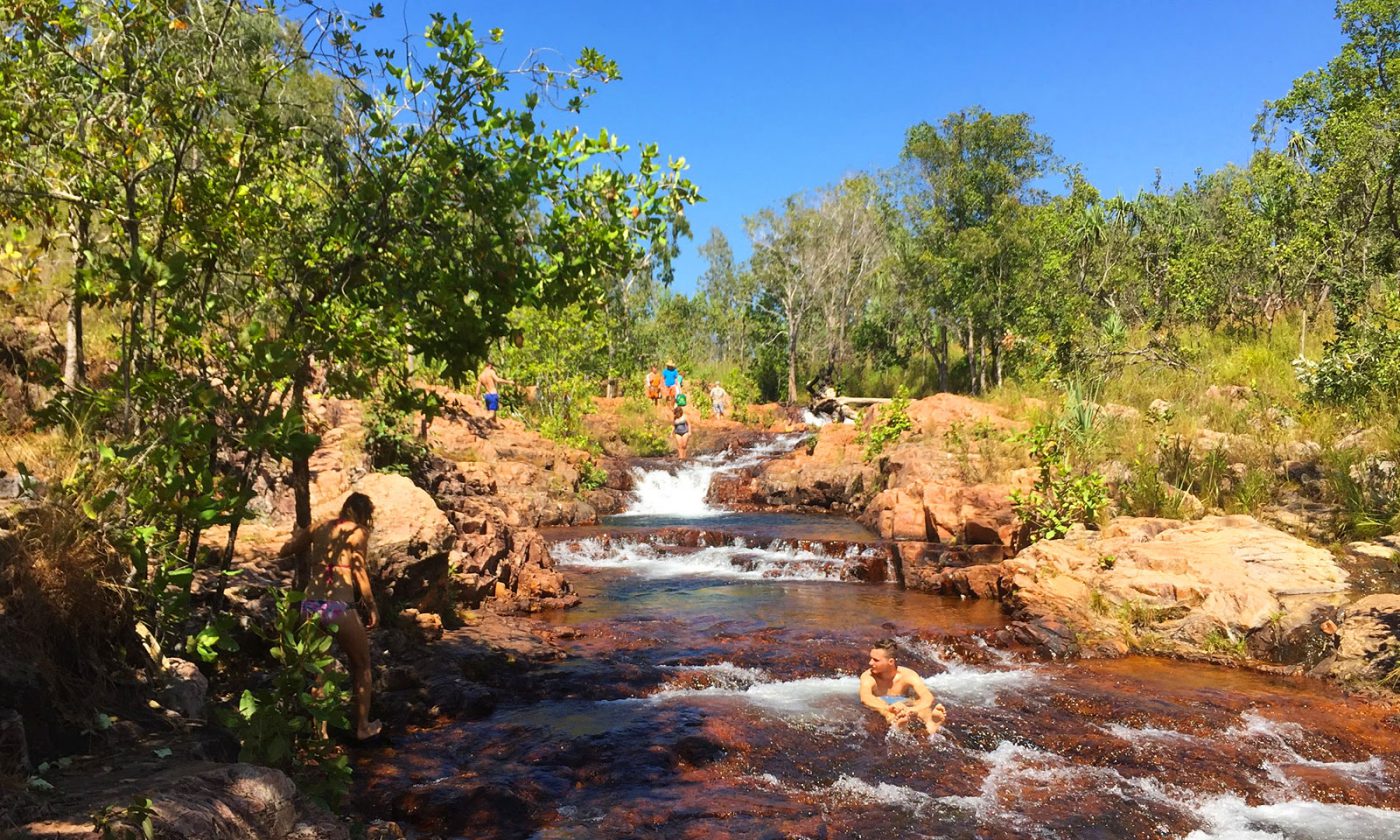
[(1372, 552), (1180, 580), (409, 543), (935, 414), (227, 803), (1368, 639), (185, 688), (406, 519)]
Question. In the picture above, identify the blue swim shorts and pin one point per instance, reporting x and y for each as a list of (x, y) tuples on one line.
[(493, 402)]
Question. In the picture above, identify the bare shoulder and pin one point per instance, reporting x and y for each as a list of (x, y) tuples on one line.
[(866, 677), (910, 675)]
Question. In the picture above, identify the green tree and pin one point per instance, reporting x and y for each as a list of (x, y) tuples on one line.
[(967, 220), (1340, 121)]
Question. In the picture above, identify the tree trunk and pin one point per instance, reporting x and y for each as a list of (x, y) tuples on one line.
[(73, 363), (996, 361), (981, 365), (73, 342), (1303, 335), (301, 459), (941, 357), (792, 363), (970, 351)]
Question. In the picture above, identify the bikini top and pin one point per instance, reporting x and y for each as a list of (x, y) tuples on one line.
[(328, 571)]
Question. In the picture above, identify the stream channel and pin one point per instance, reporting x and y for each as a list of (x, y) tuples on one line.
[(710, 691)]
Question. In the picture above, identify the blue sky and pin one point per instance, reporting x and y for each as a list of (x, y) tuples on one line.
[(768, 99)]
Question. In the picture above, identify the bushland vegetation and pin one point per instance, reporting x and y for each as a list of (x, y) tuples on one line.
[(224, 206), (211, 210)]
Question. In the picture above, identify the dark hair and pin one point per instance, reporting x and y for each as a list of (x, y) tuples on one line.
[(888, 646), (679, 411), (358, 507)]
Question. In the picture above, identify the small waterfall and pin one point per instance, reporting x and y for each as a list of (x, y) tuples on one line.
[(681, 494), (779, 561)]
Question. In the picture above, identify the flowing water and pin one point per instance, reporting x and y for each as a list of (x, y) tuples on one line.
[(710, 691)]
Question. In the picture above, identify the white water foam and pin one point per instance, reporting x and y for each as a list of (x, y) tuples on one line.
[(1231, 818), (727, 561), (962, 684), (801, 696), (724, 674), (1273, 737), (816, 421), (682, 493), (853, 789)]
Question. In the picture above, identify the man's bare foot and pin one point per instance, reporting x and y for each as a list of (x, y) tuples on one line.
[(369, 730), (936, 716)]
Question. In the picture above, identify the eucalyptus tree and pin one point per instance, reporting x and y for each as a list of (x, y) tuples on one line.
[(816, 259), (1340, 121), (978, 173)]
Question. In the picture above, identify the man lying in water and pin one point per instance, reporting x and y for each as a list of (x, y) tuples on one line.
[(896, 692)]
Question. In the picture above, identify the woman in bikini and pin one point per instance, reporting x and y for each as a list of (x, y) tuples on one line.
[(328, 578), (680, 430)]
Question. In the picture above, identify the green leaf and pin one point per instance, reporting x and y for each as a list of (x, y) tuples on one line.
[(247, 705)]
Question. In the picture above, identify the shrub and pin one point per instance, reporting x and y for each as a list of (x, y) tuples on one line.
[(591, 476), (284, 725), (1225, 641), (1251, 491), (891, 422), (644, 439), (1145, 494), (1061, 497), (390, 443), (1367, 487)]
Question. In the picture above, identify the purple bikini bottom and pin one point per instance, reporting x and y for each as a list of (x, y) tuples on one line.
[(327, 611)]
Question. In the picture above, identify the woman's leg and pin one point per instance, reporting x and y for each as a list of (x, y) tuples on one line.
[(353, 639)]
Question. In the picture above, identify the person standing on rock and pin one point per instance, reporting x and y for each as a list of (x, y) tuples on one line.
[(490, 382), (680, 430), (897, 692), (668, 379), (719, 400), (328, 579), (654, 386)]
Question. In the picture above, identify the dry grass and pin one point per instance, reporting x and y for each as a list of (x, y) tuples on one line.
[(1260, 423)]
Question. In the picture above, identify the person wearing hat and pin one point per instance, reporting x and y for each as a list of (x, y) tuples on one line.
[(668, 379)]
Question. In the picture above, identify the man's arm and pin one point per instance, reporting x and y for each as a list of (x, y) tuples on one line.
[(359, 568), (923, 696), (868, 698)]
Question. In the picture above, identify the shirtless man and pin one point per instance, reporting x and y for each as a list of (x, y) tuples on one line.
[(896, 692), (328, 579), (490, 382)]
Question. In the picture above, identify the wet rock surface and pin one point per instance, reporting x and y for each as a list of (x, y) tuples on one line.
[(710, 706)]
